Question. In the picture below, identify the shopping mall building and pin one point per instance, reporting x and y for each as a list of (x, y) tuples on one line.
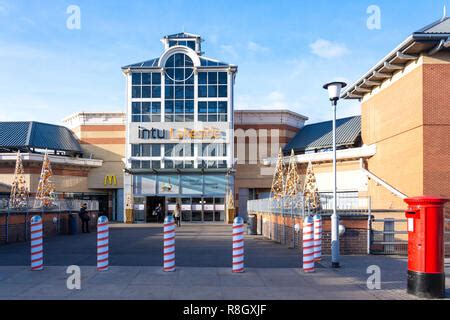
[(182, 141)]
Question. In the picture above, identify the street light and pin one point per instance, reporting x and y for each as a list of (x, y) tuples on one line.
[(334, 93)]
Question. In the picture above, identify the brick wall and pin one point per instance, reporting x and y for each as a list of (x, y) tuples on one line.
[(16, 227)]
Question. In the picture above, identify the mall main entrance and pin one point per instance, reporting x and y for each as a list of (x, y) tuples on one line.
[(193, 209)]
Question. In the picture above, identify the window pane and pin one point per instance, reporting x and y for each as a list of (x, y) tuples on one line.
[(179, 60), (223, 117), (156, 92), (212, 117), (135, 150), (179, 74), (170, 62), (156, 164), (146, 107), (169, 92), (191, 44), (136, 78), (146, 92), (189, 92), (169, 106), (222, 107), (135, 164), (179, 92), (136, 92), (202, 107), (156, 118), (189, 117), (188, 62), (136, 108), (156, 107), (136, 118), (156, 150), (212, 107), (168, 149), (222, 78), (146, 150), (202, 117), (168, 164), (156, 78), (202, 77), (223, 91), (189, 106), (169, 118), (212, 91), (212, 77), (145, 164), (145, 118), (146, 78), (179, 106), (202, 91), (179, 118)]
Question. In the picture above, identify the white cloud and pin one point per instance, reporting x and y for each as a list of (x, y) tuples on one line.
[(256, 47), (328, 49), (229, 51)]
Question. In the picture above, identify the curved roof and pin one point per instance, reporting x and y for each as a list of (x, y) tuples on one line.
[(31, 134), (320, 135)]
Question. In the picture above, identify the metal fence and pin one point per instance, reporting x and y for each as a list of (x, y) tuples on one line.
[(388, 236), (15, 223), (346, 204)]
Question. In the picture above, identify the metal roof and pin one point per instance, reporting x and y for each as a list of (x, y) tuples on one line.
[(182, 35), (31, 134), (429, 39), (320, 135), (153, 63)]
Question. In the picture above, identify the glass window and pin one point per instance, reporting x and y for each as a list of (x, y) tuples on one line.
[(222, 107), (202, 78), (223, 91), (156, 150), (223, 79), (212, 91), (191, 184), (202, 91), (212, 77), (156, 78), (146, 78), (136, 92), (215, 184), (156, 91), (136, 78), (169, 184)]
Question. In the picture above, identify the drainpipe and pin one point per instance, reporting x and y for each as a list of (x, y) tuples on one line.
[(442, 43)]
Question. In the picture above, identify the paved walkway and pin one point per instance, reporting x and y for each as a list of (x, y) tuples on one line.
[(203, 270)]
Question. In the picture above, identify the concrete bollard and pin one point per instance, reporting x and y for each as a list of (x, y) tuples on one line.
[(238, 245), (317, 238), (37, 249), (169, 244), (102, 244), (308, 244)]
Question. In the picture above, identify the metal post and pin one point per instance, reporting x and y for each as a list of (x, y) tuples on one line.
[(334, 216)]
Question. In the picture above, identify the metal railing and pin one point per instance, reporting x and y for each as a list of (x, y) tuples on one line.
[(15, 222), (346, 204)]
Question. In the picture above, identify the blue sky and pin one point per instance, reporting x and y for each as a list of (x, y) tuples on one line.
[(285, 50)]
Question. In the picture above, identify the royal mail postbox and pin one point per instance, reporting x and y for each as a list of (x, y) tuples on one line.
[(425, 219)]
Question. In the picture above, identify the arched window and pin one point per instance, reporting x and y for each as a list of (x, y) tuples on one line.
[(179, 88)]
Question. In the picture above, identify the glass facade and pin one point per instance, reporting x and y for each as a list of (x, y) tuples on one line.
[(179, 91)]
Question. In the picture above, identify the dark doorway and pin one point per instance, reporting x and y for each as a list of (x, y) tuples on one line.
[(152, 203)]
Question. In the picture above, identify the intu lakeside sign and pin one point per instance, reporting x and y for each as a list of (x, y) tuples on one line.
[(180, 134)]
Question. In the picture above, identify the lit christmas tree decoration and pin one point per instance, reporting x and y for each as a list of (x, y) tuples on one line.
[(292, 178), (45, 194), (277, 190), (19, 190), (310, 191)]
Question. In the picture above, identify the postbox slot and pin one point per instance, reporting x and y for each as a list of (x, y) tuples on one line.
[(415, 214)]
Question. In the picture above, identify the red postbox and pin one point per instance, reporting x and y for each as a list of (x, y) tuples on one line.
[(426, 273)]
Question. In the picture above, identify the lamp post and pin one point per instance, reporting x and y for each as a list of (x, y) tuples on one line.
[(334, 92)]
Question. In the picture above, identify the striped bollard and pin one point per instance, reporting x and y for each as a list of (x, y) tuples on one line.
[(238, 245), (102, 244), (169, 244), (308, 244), (317, 238), (37, 249)]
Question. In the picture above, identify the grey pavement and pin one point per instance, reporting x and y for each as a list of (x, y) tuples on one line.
[(273, 272)]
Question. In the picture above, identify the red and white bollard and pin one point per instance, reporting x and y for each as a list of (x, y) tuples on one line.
[(37, 249), (102, 244), (317, 238), (308, 244), (238, 245), (169, 244)]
